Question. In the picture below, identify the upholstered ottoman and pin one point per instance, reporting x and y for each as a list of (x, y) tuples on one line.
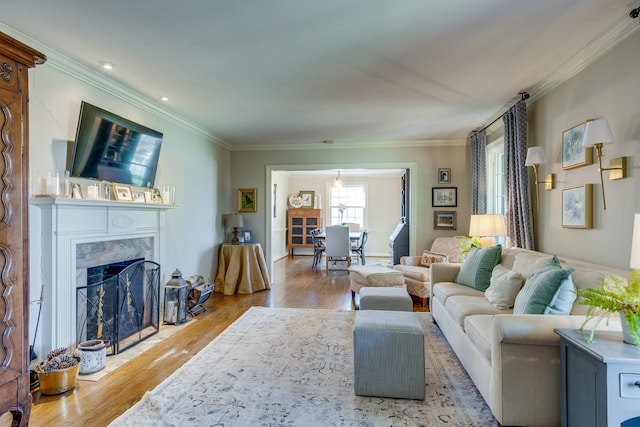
[(375, 276), (388, 354), (392, 299)]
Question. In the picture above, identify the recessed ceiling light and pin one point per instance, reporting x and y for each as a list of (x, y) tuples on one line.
[(164, 98), (106, 65)]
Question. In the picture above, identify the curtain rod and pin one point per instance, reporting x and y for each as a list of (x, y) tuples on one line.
[(523, 96)]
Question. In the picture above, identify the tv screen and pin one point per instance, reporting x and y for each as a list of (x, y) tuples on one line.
[(109, 147)]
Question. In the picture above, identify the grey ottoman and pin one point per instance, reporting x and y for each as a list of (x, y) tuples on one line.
[(388, 354), (392, 299)]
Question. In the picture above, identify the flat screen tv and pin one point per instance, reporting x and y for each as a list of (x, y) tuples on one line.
[(112, 148)]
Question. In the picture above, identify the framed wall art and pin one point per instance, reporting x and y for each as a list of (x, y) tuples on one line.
[(444, 197), (444, 176), (307, 199), (573, 153), (577, 206), (444, 220), (247, 200)]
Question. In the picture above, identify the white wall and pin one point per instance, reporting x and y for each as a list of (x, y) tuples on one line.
[(609, 89), (189, 159)]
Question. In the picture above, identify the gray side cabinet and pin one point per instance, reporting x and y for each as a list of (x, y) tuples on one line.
[(600, 382)]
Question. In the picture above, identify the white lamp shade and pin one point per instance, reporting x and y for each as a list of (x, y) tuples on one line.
[(487, 225), (535, 156), (597, 131), (235, 221), (634, 262)]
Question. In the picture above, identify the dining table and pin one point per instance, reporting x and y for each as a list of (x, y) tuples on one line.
[(354, 236)]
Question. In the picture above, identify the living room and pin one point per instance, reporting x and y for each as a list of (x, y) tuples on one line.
[(207, 170)]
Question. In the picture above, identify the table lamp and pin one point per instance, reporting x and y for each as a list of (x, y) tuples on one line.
[(235, 221), (634, 262), (486, 227)]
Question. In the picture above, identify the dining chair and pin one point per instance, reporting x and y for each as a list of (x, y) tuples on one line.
[(338, 246), (318, 247), (354, 227), (358, 247)]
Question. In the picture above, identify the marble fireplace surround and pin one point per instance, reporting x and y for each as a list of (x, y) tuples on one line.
[(77, 234)]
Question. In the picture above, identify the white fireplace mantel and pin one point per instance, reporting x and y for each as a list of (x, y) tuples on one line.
[(67, 222)]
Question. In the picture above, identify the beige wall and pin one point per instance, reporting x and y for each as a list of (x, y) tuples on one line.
[(609, 89), (252, 168)]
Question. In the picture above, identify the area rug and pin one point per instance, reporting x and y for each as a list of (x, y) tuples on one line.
[(294, 367)]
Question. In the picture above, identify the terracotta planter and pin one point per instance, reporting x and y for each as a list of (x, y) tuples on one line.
[(59, 381)]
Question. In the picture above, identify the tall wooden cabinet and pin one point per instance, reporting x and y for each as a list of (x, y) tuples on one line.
[(300, 222), (15, 59)]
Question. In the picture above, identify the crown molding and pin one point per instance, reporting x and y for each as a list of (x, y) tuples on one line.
[(93, 78), (352, 145)]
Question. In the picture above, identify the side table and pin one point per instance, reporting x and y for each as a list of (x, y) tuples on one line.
[(242, 269), (600, 382)]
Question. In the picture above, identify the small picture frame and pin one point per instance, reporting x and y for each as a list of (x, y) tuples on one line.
[(577, 206), (308, 199), (444, 220), (247, 236), (156, 197), (573, 153), (444, 197), (122, 192), (76, 190), (138, 196), (444, 176), (247, 200)]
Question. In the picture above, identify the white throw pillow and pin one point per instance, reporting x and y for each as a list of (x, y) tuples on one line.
[(505, 285)]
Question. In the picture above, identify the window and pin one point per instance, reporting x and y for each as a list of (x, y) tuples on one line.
[(347, 204), (495, 177)]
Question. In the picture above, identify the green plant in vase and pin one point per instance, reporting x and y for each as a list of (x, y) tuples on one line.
[(465, 243), (618, 297)]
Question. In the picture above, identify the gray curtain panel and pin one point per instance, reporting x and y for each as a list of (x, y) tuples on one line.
[(518, 210), (478, 173)]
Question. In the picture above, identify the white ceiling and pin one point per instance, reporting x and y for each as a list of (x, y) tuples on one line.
[(257, 72)]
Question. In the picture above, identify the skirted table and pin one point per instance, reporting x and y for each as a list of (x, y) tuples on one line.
[(242, 269)]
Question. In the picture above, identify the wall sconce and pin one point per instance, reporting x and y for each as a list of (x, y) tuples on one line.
[(597, 133), (235, 221), (486, 227), (536, 157)]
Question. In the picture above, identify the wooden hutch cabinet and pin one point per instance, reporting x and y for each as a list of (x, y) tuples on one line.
[(300, 222), (15, 59)]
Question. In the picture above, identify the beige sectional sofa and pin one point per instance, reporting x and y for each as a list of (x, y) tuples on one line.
[(513, 359)]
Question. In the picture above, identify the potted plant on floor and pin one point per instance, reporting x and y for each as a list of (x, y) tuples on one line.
[(619, 297), (58, 372)]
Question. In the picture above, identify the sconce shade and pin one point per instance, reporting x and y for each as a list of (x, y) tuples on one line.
[(235, 221), (597, 132), (535, 156), (634, 262), (338, 182)]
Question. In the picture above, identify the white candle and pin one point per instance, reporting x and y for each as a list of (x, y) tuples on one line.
[(92, 191)]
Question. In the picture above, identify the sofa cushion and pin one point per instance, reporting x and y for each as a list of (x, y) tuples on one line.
[(505, 285), (541, 288), (444, 290), (477, 267), (527, 263), (478, 329), (429, 258), (461, 306), (415, 272), (562, 300), (585, 279)]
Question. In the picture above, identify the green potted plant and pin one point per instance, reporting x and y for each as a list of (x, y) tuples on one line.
[(618, 297)]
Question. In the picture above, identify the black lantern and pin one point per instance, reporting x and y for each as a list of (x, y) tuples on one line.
[(176, 292)]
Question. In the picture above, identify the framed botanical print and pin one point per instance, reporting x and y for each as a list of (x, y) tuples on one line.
[(577, 206), (573, 153), (307, 199), (247, 200), (444, 197)]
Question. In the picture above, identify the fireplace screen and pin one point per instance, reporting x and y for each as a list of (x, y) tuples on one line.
[(122, 307)]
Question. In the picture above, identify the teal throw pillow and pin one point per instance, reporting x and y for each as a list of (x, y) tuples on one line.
[(476, 268), (545, 291)]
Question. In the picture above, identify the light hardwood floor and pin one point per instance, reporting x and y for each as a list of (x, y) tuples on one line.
[(98, 403)]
